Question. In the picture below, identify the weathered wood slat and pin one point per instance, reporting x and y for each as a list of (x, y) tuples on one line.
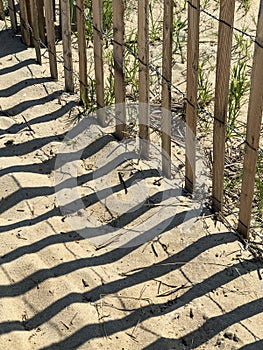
[(82, 49), (254, 120), (166, 88), (12, 14), (67, 49), (2, 11), (35, 29), (118, 57), (143, 54), (191, 92), (50, 28), (227, 9), (98, 57), (25, 32)]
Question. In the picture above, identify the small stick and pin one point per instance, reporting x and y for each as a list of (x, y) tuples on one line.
[(122, 182), (28, 125)]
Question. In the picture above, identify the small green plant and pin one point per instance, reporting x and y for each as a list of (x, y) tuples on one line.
[(205, 91), (107, 15), (239, 85), (132, 66), (232, 181), (242, 46), (179, 34), (245, 4), (204, 4)]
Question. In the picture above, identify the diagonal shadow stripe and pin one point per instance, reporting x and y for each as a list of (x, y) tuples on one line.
[(111, 327), (217, 324), (21, 107), (12, 90), (16, 67), (146, 274)]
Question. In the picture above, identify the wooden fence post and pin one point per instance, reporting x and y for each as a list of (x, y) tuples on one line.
[(41, 20), (118, 57), (35, 29), (67, 50), (54, 9), (82, 49), (2, 11), (227, 9), (253, 131), (12, 14), (50, 27), (25, 32), (98, 57), (166, 87), (191, 92), (143, 54)]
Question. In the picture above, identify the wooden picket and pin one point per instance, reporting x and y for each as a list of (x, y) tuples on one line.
[(166, 88), (143, 56), (98, 57), (225, 33), (254, 120), (67, 48), (82, 49), (38, 20), (12, 13), (2, 10), (118, 58), (49, 16), (191, 92)]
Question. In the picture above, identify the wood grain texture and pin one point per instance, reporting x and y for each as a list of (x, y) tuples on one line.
[(24, 23), (143, 54), (50, 28), (98, 57), (41, 20), (254, 120), (12, 14), (227, 9), (67, 49), (2, 11), (166, 88), (191, 92), (35, 29), (119, 76), (82, 50)]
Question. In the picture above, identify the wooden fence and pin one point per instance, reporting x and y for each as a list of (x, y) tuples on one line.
[(37, 28)]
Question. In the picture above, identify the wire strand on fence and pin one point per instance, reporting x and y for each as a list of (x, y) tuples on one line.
[(159, 73), (155, 70), (250, 36)]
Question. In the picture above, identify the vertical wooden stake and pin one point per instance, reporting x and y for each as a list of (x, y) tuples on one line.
[(30, 20), (67, 50), (227, 9), (54, 9), (118, 57), (59, 32), (191, 92), (143, 54), (2, 11), (253, 131), (41, 20), (24, 23), (82, 48), (166, 88), (51, 38), (12, 14), (35, 31), (98, 57)]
